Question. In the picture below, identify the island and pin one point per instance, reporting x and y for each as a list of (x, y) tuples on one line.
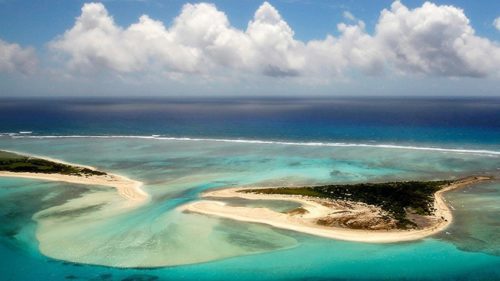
[(365, 212), (14, 164)]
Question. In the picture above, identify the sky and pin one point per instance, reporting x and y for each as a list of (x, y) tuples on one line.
[(249, 48)]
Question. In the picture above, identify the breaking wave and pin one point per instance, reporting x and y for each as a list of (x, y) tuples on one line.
[(267, 142)]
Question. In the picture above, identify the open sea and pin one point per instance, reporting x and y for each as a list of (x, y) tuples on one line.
[(180, 147)]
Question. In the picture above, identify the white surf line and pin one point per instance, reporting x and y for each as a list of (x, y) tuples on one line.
[(249, 141)]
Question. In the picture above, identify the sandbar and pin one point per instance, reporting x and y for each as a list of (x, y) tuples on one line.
[(127, 188)]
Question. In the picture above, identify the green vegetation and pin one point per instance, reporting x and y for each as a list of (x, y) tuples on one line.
[(396, 198), (18, 163)]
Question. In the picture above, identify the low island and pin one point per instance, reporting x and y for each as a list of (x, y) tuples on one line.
[(13, 164), (365, 212)]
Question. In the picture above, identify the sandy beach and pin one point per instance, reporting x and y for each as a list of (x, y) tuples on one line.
[(306, 222), (127, 188)]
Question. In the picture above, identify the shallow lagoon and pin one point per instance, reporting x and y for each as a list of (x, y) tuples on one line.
[(176, 171)]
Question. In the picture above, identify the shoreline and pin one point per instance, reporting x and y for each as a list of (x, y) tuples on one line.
[(305, 223), (127, 188)]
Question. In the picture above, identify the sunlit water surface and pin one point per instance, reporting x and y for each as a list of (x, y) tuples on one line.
[(60, 231)]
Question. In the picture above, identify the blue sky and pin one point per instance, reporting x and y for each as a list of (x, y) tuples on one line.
[(37, 22), (39, 59)]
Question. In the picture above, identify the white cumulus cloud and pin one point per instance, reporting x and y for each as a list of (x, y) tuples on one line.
[(14, 58), (430, 40), (348, 15), (436, 40), (496, 23)]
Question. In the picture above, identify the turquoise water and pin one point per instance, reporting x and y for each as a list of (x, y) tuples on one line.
[(198, 247)]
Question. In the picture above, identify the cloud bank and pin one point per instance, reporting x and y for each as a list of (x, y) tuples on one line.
[(14, 58), (429, 40)]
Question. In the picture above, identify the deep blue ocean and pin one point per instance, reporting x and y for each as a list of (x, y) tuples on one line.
[(450, 121), (180, 147)]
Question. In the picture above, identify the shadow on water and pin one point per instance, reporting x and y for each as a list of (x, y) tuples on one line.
[(18, 207), (110, 277)]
